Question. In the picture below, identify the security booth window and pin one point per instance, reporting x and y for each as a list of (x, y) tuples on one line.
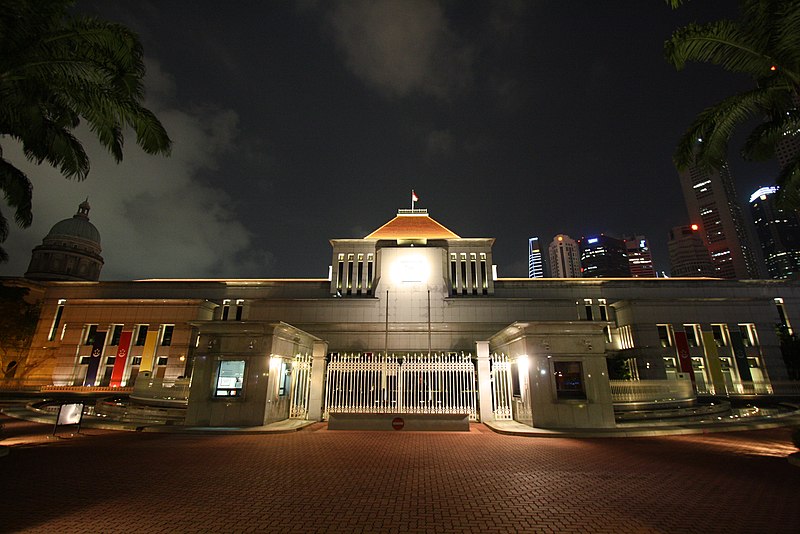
[(230, 379), (516, 386), (569, 380)]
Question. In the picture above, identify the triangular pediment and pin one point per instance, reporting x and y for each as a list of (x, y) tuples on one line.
[(412, 225)]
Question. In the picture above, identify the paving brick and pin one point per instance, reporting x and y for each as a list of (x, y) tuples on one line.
[(346, 481)]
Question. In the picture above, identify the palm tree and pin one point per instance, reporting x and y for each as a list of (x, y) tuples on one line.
[(763, 44), (57, 69)]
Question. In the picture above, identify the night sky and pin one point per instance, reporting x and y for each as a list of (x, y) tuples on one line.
[(297, 122)]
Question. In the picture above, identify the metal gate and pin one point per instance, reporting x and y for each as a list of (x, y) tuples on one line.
[(411, 383), (501, 387), (301, 386)]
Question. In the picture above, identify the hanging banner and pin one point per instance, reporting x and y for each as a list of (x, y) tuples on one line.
[(685, 359), (149, 351), (741, 356), (94, 359), (712, 363), (121, 359)]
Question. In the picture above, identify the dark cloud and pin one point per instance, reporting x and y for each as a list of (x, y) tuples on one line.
[(402, 48), (156, 217)]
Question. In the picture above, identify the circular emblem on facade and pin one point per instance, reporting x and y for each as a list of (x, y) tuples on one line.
[(123, 353), (398, 423), (96, 353)]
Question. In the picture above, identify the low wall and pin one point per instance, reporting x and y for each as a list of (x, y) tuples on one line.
[(399, 422)]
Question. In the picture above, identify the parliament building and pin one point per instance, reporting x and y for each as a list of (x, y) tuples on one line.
[(411, 320)]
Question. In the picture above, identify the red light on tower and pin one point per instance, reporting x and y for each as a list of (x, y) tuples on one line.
[(695, 228), (773, 68)]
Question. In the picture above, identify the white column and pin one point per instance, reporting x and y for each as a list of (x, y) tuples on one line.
[(484, 382), (316, 397)]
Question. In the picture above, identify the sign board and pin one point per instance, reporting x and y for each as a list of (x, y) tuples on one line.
[(69, 414)]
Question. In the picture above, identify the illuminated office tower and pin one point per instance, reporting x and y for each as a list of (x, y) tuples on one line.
[(565, 260), (535, 259), (639, 258), (778, 233), (688, 255), (711, 201), (603, 256)]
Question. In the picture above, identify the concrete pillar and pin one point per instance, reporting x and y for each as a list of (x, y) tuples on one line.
[(484, 382), (316, 397)]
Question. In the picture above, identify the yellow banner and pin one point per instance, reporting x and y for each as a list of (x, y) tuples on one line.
[(712, 361), (149, 351)]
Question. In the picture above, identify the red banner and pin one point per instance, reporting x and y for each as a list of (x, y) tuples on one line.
[(122, 358), (682, 346)]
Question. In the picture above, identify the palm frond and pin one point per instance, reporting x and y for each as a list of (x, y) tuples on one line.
[(722, 43), (705, 143), (18, 193), (789, 185), (761, 143)]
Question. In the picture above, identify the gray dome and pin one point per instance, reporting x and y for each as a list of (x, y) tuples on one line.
[(78, 226)]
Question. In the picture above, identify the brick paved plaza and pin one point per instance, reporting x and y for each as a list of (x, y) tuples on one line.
[(318, 480)]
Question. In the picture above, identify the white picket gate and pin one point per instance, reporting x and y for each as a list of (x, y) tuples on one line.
[(301, 386), (501, 387), (410, 383)]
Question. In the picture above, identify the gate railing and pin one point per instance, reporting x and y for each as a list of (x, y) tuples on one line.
[(410, 383), (501, 387), (301, 386)]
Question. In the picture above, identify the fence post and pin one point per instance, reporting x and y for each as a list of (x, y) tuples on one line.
[(315, 400), (484, 382)]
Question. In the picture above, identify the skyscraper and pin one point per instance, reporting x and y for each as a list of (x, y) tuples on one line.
[(639, 258), (604, 256), (711, 202), (688, 255), (535, 260), (564, 257), (778, 233)]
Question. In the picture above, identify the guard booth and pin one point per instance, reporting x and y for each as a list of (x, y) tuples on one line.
[(242, 372)]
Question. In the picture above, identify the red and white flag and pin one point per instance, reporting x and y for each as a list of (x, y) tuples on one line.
[(414, 197)]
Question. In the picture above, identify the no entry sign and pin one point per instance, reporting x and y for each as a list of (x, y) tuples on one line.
[(398, 423)]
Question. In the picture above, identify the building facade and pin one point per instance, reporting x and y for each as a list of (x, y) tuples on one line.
[(565, 257), (535, 259), (688, 255), (712, 205), (604, 256), (778, 233), (412, 322), (640, 259)]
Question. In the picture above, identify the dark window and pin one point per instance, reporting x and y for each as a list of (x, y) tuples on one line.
[(115, 334), (225, 310), (719, 336), (569, 380), (56, 322), (603, 313), (589, 314), (691, 335), (369, 277), (110, 360), (141, 335), (483, 277), (663, 335), (85, 360), (90, 335), (137, 360), (162, 360), (166, 338), (239, 310), (516, 388)]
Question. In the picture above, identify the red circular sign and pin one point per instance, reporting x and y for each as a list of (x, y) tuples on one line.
[(398, 423)]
